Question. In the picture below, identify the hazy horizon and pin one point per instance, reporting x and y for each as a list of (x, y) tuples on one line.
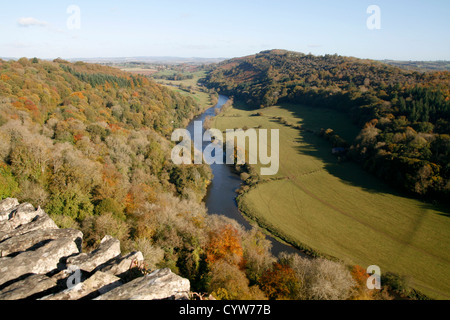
[(153, 58)]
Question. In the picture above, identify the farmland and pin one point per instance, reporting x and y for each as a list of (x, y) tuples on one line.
[(188, 87), (336, 209)]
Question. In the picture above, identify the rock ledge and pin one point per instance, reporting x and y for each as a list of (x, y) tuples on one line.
[(40, 261)]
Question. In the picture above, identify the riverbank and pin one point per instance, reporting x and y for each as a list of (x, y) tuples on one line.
[(221, 195)]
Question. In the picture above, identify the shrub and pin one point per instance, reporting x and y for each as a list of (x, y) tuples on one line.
[(2, 120), (112, 206), (71, 203), (321, 279), (228, 282), (8, 184), (153, 255), (360, 276), (257, 255), (29, 157), (280, 282), (396, 283), (33, 193), (224, 244), (328, 280), (64, 222), (96, 227)]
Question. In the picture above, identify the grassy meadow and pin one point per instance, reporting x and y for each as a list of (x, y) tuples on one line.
[(203, 98), (180, 86), (336, 209)]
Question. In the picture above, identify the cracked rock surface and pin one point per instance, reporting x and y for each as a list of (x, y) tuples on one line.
[(38, 260)]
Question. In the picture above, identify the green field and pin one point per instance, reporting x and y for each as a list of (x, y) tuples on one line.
[(203, 98), (187, 82), (338, 209)]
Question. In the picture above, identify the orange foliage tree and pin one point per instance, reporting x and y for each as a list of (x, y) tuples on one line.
[(279, 282), (360, 276), (224, 244)]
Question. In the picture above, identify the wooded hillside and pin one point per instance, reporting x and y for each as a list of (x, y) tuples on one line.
[(404, 116)]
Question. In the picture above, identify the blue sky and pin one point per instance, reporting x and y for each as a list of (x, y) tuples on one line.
[(410, 30)]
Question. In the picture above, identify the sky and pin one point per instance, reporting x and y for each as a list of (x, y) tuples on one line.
[(407, 30)]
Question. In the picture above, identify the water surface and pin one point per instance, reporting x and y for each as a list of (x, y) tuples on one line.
[(221, 195)]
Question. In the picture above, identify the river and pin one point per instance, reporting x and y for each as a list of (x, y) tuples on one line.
[(221, 195)]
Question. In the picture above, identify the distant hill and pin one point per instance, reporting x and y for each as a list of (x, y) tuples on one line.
[(404, 115), (151, 60), (422, 66)]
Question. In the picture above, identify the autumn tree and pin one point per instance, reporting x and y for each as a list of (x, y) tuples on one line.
[(279, 282), (228, 282), (224, 244), (360, 276)]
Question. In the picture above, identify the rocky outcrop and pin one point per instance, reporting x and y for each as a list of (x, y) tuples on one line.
[(99, 283), (109, 248), (161, 284), (120, 265), (41, 222), (40, 261), (34, 238), (28, 287), (15, 216)]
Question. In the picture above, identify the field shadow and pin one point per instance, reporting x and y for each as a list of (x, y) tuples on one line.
[(239, 105), (311, 144), (347, 171), (312, 120)]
